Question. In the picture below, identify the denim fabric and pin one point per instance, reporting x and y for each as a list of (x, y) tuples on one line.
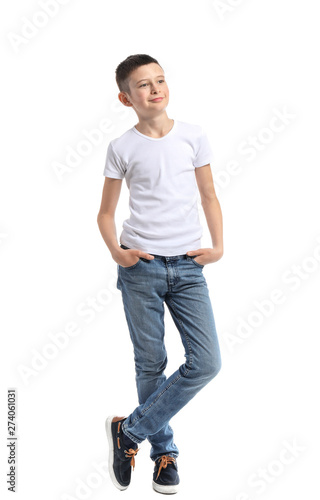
[(145, 286)]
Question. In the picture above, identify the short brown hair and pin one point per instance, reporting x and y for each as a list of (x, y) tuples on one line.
[(126, 67)]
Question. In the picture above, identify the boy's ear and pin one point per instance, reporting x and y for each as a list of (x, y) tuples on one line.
[(123, 98)]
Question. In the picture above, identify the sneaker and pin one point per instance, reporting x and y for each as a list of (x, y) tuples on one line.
[(165, 475), (121, 453)]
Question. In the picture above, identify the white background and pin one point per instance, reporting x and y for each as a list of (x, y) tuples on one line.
[(230, 70)]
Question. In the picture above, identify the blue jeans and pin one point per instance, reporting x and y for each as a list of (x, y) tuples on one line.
[(179, 282)]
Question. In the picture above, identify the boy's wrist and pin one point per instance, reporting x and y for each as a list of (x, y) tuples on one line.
[(218, 249), (115, 251)]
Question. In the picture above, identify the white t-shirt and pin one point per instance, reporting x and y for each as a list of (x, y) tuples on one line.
[(163, 192)]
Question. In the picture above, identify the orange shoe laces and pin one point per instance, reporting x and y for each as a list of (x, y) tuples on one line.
[(165, 460), (131, 454)]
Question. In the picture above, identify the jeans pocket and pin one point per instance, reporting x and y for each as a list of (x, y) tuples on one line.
[(196, 263), (131, 267)]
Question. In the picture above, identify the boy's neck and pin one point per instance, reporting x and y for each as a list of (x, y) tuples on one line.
[(155, 127)]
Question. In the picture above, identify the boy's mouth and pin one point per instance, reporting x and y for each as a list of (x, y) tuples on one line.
[(157, 99)]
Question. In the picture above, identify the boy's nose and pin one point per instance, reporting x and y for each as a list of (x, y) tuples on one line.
[(154, 89)]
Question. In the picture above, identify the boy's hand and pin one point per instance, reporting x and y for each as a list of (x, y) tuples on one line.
[(127, 258), (206, 255)]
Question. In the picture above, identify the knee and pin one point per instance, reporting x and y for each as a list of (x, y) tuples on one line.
[(210, 368), (151, 367), (216, 367)]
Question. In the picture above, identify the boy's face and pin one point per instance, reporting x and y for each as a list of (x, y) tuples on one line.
[(146, 84)]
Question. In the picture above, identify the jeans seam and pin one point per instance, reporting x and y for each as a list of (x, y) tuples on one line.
[(130, 436), (185, 334), (197, 264), (179, 376), (131, 267), (159, 395)]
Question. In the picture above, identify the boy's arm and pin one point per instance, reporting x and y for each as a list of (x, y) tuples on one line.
[(211, 207), (106, 223), (105, 219)]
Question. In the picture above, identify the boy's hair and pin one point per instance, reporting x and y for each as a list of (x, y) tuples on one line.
[(126, 67)]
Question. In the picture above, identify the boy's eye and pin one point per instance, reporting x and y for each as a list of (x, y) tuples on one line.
[(147, 84)]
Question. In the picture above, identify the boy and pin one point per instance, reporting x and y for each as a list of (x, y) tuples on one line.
[(160, 259)]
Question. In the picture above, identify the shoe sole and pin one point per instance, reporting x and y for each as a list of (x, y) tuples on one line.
[(111, 454), (167, 490)]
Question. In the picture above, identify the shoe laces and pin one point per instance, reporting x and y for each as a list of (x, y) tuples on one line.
[(131, 454), (165, 460)]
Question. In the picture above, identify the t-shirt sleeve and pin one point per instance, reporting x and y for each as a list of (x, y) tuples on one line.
[(204, 153), (114, 167)]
